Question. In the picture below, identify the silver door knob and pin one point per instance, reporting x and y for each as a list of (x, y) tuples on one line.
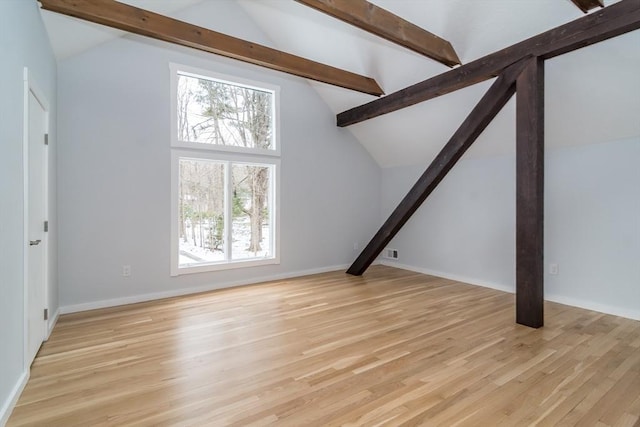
[(34, 242)]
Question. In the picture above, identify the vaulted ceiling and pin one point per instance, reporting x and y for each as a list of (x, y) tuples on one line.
[(592, 95)]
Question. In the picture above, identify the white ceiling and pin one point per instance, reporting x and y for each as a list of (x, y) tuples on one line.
[(592, 95)]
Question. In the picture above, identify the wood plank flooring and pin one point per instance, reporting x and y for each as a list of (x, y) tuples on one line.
[(388, 349)]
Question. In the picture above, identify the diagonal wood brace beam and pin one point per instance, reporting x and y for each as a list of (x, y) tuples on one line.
[(484, 112)]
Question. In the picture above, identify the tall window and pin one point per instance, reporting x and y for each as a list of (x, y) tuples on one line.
[(224, 172)]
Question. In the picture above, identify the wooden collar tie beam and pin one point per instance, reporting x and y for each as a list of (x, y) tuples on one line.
[(145, 23)]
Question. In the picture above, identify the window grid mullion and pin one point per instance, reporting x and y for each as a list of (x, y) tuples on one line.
[(228, 191), (272, 210)]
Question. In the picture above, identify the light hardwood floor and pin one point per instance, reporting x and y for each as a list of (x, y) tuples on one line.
[(391, 348)]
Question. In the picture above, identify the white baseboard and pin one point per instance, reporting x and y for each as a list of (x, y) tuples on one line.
[(457, 278), (52, 323), (594, 306), (74, 308), (574, 302), (12, 399)]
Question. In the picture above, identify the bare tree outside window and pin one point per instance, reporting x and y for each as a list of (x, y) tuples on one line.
[(219, 113), (201, 211), (213, 112)]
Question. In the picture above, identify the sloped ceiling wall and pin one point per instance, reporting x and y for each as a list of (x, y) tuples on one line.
[(605, 75), (593, 95)]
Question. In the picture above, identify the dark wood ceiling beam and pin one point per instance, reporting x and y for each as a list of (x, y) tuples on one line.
[(530, 195), (479, 118), (612, 21), (587, 5), (382, 23), (139, 21)]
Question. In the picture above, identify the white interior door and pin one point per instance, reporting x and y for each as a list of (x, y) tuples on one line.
[(36, 211)]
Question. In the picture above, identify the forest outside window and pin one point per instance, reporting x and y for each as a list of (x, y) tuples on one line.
[(222, 113), (224, 187)]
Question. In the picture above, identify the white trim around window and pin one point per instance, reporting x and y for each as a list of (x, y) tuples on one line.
[(229, 156)]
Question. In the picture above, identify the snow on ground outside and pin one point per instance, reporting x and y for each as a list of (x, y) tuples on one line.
[(191, 254)]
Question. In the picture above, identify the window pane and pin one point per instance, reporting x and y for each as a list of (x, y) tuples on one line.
[(201, 211), (213, 112), (251, 230)]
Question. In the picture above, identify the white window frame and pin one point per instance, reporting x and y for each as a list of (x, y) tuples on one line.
[(236, 81), (227, 154)]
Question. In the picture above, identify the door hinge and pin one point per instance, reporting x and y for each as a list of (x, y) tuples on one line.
[(46, 226), (46, 314), (46, 139)]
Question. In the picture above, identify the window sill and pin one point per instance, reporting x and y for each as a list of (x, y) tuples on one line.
[(204, 268)]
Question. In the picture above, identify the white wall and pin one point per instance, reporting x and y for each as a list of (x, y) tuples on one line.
[(466, 229), (114, 198), (23, 42)]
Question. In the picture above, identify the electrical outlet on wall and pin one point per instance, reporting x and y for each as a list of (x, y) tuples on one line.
[(553, 269), (126, 270)]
